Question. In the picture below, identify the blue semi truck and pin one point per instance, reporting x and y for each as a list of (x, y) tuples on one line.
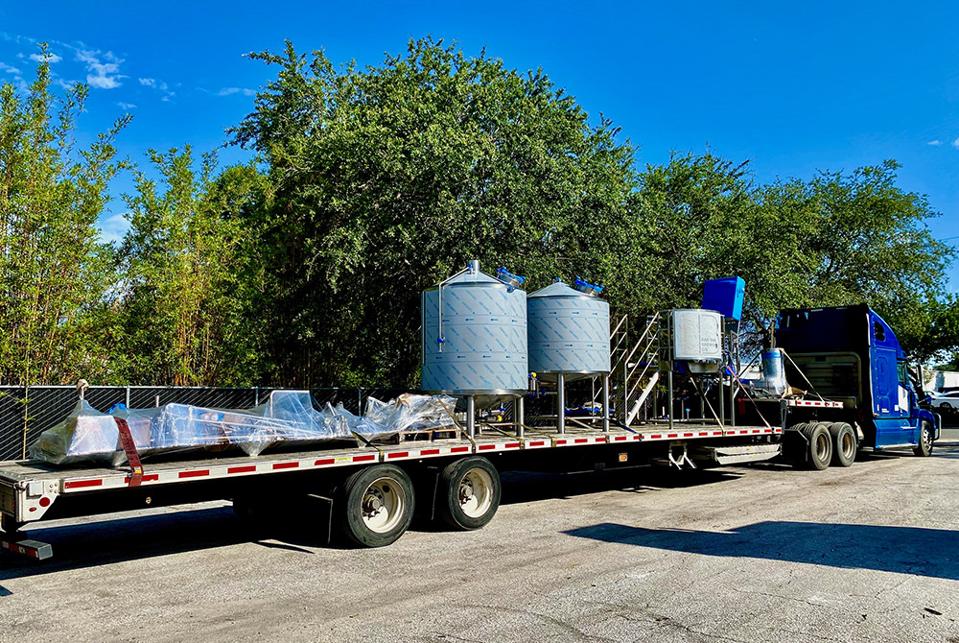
[(850, 356)]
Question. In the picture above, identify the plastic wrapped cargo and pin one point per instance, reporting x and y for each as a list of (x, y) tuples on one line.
[(88, 435), (411, 412)]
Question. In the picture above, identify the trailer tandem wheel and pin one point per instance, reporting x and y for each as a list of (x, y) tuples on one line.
[(819, 445), (844, 445), (376, 506), (469, 493)]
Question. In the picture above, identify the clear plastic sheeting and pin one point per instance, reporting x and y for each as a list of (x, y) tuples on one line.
[(410, 412), (88, 435)]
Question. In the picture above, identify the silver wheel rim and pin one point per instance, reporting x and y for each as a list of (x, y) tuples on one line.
[(848, 445), (383, 505), (822, 446), (926, 436), (475, 493)]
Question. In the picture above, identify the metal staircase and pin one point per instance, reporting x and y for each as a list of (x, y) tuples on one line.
[(634, 367)]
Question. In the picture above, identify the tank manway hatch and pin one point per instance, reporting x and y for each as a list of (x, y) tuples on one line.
[(474, 334), (568, 329)]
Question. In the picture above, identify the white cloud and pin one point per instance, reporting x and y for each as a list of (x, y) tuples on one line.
[(50, 57), (10, 69), (103, 68), (955, 143), (158, 85), (934, 142), (113, 227), (229, 91), (123, 105)]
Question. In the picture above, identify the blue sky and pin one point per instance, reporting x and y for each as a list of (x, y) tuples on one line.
[(793, 87)]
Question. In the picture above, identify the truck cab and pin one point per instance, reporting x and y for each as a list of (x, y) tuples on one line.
[(850, 354)]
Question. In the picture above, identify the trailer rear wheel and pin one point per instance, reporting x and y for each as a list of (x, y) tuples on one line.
[(844, 445), (470, 493), (924, 448), (819, 445), (376, 506)]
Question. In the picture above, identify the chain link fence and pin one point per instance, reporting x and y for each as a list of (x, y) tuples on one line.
[(27, 411)]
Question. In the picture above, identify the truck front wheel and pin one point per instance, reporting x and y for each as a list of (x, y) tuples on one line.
[(844, 445), (376, 506), (819, 445), (469, 493), (924, 448)]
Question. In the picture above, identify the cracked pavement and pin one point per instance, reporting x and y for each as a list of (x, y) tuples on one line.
[(761, 553)]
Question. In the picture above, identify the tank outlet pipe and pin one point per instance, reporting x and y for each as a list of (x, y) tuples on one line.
[(472, 267)]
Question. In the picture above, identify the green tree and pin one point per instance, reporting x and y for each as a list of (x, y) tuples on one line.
[(55, 271), (389, 178), (187, 278)]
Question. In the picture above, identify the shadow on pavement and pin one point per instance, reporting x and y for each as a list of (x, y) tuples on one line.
[(522, 486), (905, 550)]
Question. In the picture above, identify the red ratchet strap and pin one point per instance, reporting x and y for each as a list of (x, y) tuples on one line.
[(130, 448)]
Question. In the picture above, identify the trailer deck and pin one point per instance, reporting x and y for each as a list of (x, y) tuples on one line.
[(28, 488)]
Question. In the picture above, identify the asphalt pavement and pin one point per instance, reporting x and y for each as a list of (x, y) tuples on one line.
[(760, 553)]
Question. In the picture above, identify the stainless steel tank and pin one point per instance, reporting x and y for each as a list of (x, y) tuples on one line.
[(568, 330), (474, 335)]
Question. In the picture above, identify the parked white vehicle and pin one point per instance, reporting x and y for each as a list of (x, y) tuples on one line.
[(946, 401)]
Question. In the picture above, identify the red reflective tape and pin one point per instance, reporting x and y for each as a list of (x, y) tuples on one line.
[(397, 454), (153, 477), (196, 473), (459, 449), (672, 435), (486, 447), (687, 435), (286, 465), (560, 442), (702, 433), (80, 484), (580, 441), (364, 458), (537, 443), (745, 431), (619, 438), (429, 452), (757, 431), (717, 432), (324, 461), (599, 439), (512, 445), (246, 468), (655, 436)]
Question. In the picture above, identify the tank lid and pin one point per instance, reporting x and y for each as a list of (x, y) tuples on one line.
[(558, 289)]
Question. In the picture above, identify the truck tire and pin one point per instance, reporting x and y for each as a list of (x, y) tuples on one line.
[(469, 493), (376, 506), (819, 445), (924, 448), (844, 444)]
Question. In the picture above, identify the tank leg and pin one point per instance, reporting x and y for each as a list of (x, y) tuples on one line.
[(606, 403), (518, 415), (471, 416), (561, 403)]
